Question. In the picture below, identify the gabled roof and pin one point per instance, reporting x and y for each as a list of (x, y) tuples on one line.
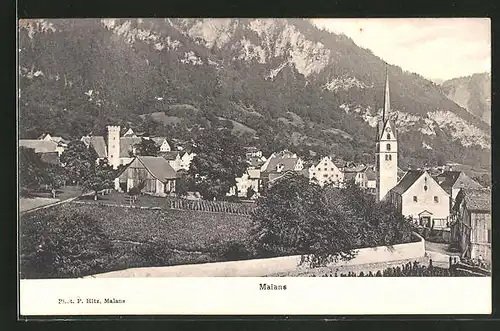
[(476, 199), (126, 144), (40, 146), (255, 161), (288, 163), (457, 179), (98, 144), (169, 156), (159, 140), (407, 181), (158, 167)]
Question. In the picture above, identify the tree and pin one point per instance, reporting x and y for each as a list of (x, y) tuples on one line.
[(184, 183), (147, 147), (294, 217), (78, 160), (250, 192), (219, 160), (99, 177), (30, 170), (33, 172)]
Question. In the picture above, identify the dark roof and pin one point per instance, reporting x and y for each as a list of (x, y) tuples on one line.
[(355, 169), (287, 163), (456, 179), (126, 144), (98, 144), (409, 178), (170, 156), (158, 167), (371, 174), (275, 178), (477, 199), (349, 175)]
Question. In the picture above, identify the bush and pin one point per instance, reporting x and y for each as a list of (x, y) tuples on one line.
[(63, 243)]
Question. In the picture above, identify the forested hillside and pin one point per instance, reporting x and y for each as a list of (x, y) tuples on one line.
[(278, 83)]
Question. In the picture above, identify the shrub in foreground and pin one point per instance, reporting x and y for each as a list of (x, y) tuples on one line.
[(62, 243)]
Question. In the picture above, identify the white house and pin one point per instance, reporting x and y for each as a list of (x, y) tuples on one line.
[(250, 179), (418, 195), (325, 171), (174, 159)]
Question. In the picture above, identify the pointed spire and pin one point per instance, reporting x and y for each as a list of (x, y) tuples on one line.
[(387, 100)]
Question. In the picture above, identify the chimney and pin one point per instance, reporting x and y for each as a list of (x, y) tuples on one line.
[(114, 146)]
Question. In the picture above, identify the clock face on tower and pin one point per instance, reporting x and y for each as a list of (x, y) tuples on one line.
[(388, 129)]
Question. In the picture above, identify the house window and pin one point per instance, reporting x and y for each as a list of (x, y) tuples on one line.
[(331, 169), (388, 136), (326, 169), (111, 156), (415, 198), (388, 147), (387, 157), (390, 157), (325, 175), (436, 199)]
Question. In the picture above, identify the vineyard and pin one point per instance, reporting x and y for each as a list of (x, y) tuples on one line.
[(149, 201), (211, 206)]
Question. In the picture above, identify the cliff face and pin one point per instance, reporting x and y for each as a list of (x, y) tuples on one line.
[(472, 93), (278, 78)]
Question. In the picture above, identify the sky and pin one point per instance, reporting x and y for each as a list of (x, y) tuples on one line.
[(436, 48)]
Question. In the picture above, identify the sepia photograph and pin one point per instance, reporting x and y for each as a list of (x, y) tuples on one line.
[(154, 148)]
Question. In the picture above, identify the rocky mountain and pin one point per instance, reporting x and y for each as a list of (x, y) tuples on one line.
[(277, 82), (472, 93)]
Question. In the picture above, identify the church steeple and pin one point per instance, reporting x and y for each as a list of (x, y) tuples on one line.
[(387, 99), (386, 153)]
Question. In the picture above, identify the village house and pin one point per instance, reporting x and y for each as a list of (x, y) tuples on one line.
[(173, 158), (120, 150), (279, 163), (249, 179), (157, 176), (325, 171), (371, 179), (453, 181), (45, 144), (471, 223), (252, 152), (356, 174), (418, 195), (186, 160)]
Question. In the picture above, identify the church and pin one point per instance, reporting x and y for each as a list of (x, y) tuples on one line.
[(416, 194)]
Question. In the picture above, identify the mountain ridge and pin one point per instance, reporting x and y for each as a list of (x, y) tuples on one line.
[(234, 69)]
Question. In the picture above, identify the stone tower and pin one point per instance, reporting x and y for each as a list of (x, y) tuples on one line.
[(114, 146), (386, 149)]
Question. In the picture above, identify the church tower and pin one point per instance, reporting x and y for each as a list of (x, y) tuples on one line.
[(114, 146), (386, 149)]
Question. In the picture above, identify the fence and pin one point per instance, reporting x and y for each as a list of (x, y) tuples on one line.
[(211, 206)]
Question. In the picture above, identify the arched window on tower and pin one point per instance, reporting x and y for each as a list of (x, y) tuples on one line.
[(388, 136), (388, 147)]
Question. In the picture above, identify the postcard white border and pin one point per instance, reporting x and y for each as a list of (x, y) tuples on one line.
[(241, 295)]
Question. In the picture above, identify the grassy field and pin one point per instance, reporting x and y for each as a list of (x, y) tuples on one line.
[(182, 230), (138, 238)]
